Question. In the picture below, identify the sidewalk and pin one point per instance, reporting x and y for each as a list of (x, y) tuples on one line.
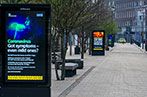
[(60, 88), (142, 48), (121, 73)]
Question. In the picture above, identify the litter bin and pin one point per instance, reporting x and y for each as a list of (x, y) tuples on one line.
[(77, 50)]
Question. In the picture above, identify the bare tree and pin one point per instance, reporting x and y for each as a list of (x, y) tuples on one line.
[(68, 15)]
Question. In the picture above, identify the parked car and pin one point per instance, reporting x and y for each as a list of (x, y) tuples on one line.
[(122, 40)]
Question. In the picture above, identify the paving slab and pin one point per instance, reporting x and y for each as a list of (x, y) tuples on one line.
[(122, 73), (58, 87)]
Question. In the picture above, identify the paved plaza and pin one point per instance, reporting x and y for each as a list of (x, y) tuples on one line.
[(121, 73)]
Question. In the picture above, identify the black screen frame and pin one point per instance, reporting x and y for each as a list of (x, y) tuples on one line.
[(98, 52), (27, 7)]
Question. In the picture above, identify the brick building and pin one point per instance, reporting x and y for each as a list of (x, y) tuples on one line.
[(131, 17)]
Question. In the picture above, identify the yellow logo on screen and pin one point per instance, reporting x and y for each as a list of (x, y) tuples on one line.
[(97, 48), (13, 77)]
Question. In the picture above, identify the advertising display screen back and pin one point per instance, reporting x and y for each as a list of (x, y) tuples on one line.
[(26, 49), (98, 42)]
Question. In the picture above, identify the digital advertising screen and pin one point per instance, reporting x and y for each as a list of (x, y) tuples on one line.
[(98, 41), (110, 40), (26, 55)]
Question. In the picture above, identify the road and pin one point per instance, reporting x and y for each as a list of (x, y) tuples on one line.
[(121, 73)]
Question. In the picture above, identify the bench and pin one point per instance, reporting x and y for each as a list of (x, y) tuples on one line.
[(70, 69), (78, 61)]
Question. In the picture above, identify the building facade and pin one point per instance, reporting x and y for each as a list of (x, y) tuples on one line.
[(131, 17)]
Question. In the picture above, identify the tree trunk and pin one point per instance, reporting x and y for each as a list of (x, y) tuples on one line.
[(82, 52), (56, 70), (56, 64), (63, 52), (90, 46), (106, 40), (62, 57), (85, 43), (70, 44), (54, 46)]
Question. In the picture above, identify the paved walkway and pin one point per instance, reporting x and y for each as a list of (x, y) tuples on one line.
[(121, 73), (58, 87)]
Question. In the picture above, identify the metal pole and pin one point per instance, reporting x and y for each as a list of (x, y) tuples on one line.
[(142, 37), (143, 32), (135, 22), (145, 24)]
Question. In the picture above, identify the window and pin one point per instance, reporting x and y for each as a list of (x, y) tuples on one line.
[(145, 2), (133, 14), (129, 23), (140, 17), (130, 14), (136, 3), (125, 23), (131, 4)]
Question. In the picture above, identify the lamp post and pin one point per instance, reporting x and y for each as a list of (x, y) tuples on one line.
[(135, 21), (146, 24), (143, 31)]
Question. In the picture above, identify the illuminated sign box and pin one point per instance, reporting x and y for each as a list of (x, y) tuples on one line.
[(98, 42), (110, 40), (25, 44)]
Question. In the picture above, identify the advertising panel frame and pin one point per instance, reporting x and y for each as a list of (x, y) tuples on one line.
[(27, 7), (110, 38), (102, 51)]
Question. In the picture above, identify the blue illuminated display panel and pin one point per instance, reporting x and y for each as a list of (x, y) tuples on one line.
[(25, 25), (110, 40), (25, 40), (25, 35)]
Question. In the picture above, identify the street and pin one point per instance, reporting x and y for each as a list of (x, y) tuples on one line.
[(90, 48), (121, 73)]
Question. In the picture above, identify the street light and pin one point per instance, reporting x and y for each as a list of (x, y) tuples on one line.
[(143, 30), (135, 22)]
